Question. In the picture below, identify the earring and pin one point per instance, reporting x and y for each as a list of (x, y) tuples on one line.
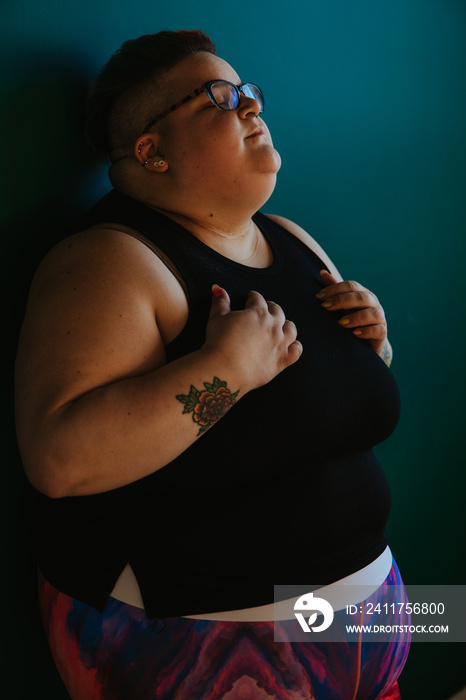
[(157, 163), (139, 151), (160, 163)]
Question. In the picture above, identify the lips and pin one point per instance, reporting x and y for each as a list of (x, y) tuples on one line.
[(257, 132)]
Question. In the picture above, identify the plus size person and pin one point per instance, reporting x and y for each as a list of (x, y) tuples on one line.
[(198, 396)]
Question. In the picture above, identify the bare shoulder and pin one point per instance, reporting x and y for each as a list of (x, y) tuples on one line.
[(103, 270), (96, 256), (307, 239), (93, 318)]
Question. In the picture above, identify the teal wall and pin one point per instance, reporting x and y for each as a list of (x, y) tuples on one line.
[(366, 101)]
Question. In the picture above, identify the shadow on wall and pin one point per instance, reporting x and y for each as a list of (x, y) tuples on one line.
[(45, 167), (46, 160)]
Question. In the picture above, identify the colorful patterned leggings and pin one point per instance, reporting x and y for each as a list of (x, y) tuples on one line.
[(120, 654)]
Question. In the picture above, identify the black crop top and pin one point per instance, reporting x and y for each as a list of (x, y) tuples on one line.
[(284, 489)]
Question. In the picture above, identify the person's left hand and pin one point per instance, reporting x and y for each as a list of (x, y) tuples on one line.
[(366, 318)]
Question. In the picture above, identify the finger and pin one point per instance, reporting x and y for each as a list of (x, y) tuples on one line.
[(327, 278), (255, 299), (276, 311), (289, 330), (344, 287), (375, 332), (295, 351), (362, 299), (220, 302), (364, 317)]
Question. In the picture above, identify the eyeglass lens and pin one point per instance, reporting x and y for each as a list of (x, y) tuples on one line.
[(226, 96), (251, 90)]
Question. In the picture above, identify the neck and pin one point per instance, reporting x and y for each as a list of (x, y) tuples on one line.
[(226, 226), (238, 239)]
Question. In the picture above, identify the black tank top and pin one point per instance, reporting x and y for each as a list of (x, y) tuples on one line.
[(284, 489)]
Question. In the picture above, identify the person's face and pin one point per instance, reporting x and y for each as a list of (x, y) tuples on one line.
[(208, 149)]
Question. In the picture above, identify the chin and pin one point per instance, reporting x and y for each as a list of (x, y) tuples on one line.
[(271, 162), (278, 160)]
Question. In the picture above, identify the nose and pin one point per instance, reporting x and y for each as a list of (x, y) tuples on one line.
[(248, 107)]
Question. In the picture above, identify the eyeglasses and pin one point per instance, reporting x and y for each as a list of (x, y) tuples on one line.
[(223, 94)]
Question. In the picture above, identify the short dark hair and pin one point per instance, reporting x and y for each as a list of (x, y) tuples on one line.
[(116, 93)]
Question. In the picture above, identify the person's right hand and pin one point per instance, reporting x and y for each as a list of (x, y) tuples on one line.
[(258, 341)]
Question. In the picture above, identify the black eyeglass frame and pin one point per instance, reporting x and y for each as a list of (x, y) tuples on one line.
[(207, 88)]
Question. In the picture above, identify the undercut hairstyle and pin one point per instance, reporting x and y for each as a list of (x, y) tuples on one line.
[(118, 97)]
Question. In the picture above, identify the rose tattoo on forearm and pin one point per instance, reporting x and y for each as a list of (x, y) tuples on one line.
[(209, 405)]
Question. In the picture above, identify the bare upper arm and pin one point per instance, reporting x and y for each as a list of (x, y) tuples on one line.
[(307, 239), (91, 320)]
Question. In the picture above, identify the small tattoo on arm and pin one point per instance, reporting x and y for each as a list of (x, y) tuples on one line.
[(387, 354), (209, 404)]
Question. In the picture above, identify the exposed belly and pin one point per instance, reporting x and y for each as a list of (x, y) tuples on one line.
[(363, 582), (127, 588)]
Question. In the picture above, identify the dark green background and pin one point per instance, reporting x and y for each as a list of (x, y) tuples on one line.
[(366, 101)]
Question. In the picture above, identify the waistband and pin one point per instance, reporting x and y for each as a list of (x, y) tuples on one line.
[(338, 594)]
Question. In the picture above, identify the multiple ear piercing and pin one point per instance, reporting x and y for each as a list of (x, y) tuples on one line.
[(157, 163)]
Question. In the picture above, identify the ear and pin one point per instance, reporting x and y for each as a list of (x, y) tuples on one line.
[(149, 154)]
